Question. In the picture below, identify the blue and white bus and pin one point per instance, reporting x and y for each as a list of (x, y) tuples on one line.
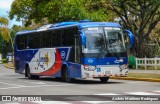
[(72, 50)]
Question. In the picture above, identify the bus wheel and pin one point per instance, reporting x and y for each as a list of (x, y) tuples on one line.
[(104, 79), (66, 76), (29, 74)]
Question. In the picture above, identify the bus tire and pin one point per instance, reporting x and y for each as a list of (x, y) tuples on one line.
[(28, 74), (65, 76), (104, 79)]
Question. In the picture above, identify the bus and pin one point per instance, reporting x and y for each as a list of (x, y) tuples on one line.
[(72, 50)]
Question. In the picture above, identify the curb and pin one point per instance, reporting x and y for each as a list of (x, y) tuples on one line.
[(8, 66), (136, 79)]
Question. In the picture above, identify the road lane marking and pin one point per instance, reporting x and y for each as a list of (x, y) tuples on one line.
[(108, 94), (35, 86), (132, 93), (141, 93), (88, 99), (156, 91), (12, 84), (33, 82), (51, 102), (97, 102)]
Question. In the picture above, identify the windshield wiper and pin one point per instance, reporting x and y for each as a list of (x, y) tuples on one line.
[(100, 44)]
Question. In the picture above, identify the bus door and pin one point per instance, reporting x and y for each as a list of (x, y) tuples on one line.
[(77, 49)]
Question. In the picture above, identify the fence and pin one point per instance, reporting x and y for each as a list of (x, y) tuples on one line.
[(154, 62)]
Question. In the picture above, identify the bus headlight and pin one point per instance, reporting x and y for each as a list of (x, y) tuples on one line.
[(89, 68)]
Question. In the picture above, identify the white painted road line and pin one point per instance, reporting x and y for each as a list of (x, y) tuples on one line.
[(34, 82), (51, 102), (35, 86), (156, 91), (12, 84), (141, 93), (98, 102), (132, 93), (108, 94)]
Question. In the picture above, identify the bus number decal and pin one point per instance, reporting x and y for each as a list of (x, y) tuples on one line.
[(63, 54)]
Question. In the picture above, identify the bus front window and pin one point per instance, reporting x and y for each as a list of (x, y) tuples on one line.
[(94, 40), (115, 40), (104, 42)]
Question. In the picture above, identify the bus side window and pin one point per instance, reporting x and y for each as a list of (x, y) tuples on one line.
[(21, 42), (34, 40), (126, 40), (56, 38), (68, 37), (46, 39), (65, 37), (71, 33)]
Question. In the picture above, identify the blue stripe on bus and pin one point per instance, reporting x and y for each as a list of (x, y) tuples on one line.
[(103, 61)]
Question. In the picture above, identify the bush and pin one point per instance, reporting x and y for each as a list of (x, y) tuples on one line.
[(132, 62), (4, 60)]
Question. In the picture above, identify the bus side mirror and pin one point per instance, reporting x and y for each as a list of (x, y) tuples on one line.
[(83, 38), (131, 37)]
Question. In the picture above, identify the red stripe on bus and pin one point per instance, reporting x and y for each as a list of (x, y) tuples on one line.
[(56, 66)]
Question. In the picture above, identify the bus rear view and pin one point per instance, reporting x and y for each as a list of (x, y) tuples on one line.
[(97, 50)]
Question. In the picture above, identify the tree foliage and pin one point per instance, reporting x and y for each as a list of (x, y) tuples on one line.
[(4, 30), (4, 36), (57, 10), (140, 16), (3, 21)]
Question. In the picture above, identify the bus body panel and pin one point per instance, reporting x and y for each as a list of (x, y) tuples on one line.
[(74, 70), (104, 71), (48, 62), (22, 57), (104, 61)]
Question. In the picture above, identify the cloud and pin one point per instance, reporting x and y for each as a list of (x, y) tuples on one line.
[(5, 4)]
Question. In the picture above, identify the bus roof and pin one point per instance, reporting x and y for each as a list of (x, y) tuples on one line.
[(99, 24), (80, 25)]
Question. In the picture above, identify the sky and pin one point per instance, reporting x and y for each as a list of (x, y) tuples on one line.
[(4, 9)]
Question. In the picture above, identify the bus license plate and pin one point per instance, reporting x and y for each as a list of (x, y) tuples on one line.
[(108, 72)]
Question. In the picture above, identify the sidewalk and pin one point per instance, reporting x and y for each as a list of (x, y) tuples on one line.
[(144, 71), (141, 71)]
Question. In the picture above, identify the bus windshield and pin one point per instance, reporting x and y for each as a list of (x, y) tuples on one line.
[(106, 40)]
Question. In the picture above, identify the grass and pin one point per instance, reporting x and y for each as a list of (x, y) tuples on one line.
[(149, 67), (144, 75)]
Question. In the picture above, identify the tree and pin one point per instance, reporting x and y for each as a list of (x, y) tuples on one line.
[(57, 10), (3, 28), (140, 16), (5, 38)]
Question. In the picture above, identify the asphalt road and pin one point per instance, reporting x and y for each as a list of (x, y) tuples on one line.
[(92, 89)]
